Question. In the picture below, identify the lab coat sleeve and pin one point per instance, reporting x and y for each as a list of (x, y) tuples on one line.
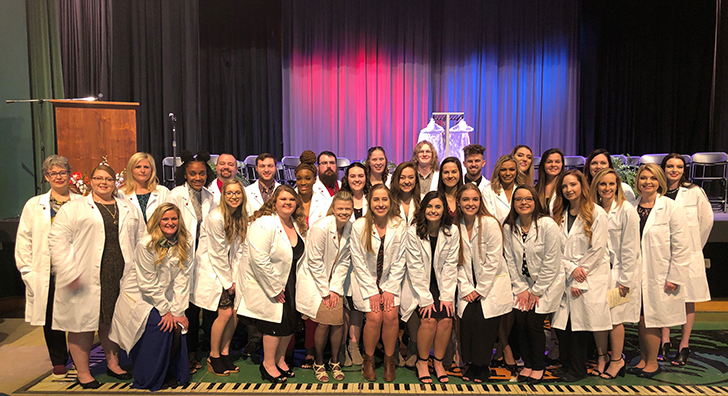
[(550, 266), (517, 283), (341, 270), (315, 255), (678, 273), (148, 278), (594, 256), (415, 262), (218, 249), (260, 242), (60, 244), (181, 288), (492, 248), (393, 284), (630, 252), (367, 282), (705, 215), (24, 245), (450, 267)]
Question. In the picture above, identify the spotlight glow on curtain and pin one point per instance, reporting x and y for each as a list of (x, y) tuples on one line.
[(363, 73)]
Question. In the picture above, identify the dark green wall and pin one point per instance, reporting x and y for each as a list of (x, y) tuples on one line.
[(16, 134)]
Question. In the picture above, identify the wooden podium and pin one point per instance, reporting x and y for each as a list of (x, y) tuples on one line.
[(87, 131)]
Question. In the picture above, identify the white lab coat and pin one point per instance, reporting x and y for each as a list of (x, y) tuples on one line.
[(164, 286), (32, 256), (699, 216), (180, 196), (264, 269), (484, 269), (624, 255), (255, 200), (217, 262), (76, 244), (499, 205), (483, 185), (320, 202), (364, 207), (409, 214), (215, 190), (665, 257), (433, 185), (590, 311), (365, 262), (416, 287), (543, 258), (156, 198), (326, 265), (628, 192)]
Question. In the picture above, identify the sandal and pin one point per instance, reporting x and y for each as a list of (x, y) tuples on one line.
[(443, 379), (620, 373), (427, 377), (473, 373), (320, 371), (194, 364), (681, 358), (336, 370), (596, 372), (308, 362), (664, 352)]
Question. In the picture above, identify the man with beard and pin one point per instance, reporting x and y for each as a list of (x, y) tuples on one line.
[(262, 189), (226, 169), (474, 163), (326, 185)]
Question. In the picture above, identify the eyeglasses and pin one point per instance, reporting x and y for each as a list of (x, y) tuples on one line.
[(53, 175), (100, 179), (233, 193), (523, 199)]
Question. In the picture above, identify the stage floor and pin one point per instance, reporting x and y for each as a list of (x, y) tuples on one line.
[(706, 374)]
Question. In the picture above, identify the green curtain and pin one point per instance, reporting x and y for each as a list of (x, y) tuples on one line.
[(46, 78)]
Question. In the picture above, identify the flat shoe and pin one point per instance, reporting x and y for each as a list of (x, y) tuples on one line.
[(123, 376), (649, 374), (633, 370), (89, 385)]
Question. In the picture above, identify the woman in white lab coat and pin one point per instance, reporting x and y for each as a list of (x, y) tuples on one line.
[(549, 170), (160, 287), (141, 187), (484, 287), (195, 201), (532, 248), (377, 255), (506, 174), (356, 182), (405, 189), (433, 245), (315, 203), (274, 246), (218, 257), (584, 307), (665, 265), (623, 257), (320, 282), (92, 243), (34, 261), (699, 216)]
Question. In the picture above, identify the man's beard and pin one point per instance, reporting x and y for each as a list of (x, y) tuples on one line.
[(328, 179)]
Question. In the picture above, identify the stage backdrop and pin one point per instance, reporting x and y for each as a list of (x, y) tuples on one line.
[(363, 73)]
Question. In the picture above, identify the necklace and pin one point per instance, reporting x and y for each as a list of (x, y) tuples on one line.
[(113, 215)]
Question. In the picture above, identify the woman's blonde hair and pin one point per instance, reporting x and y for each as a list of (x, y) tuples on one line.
[(181, 249), (586, 209), (393, 213), (269, 208), (495, 182), (659, 174), (235, 220), (341, 195), (129, 183), (619, 193)]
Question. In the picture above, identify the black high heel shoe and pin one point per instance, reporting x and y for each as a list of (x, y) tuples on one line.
[(443, 379), (664, 352), (287, 373), (217, 367), (596, 372), (620, 373), (423, 378), (267, 377), (681, 358), (230, 367)]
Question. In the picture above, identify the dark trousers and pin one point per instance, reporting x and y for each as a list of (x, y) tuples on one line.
[(55, 339), (477, 335), (529, 328), (193, 333), (573, 345)]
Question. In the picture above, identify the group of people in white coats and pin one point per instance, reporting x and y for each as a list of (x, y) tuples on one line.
[(439, 248)]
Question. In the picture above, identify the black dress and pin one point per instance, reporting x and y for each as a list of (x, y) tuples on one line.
[(291, 321), (112, 263), (434, 290)]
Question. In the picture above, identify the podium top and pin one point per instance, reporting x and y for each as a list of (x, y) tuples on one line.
[(94, 103)]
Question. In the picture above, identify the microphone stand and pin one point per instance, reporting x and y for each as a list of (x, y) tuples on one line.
[(174, 143)]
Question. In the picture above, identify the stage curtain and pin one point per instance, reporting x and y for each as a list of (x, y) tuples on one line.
[(46, 78), (240, 77), (512, 68), (364, 73), (646, 71)]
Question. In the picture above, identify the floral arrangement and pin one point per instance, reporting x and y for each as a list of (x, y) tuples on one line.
[(81, 183), (626, 172)]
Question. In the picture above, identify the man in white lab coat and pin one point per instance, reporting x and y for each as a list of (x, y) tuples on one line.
[(474, 164), (263, 188), (226, 169)]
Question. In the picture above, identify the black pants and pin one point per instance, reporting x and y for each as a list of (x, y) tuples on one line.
[(477, 335), (55, 339), (529, 328), (573, 345), (193, 333)]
